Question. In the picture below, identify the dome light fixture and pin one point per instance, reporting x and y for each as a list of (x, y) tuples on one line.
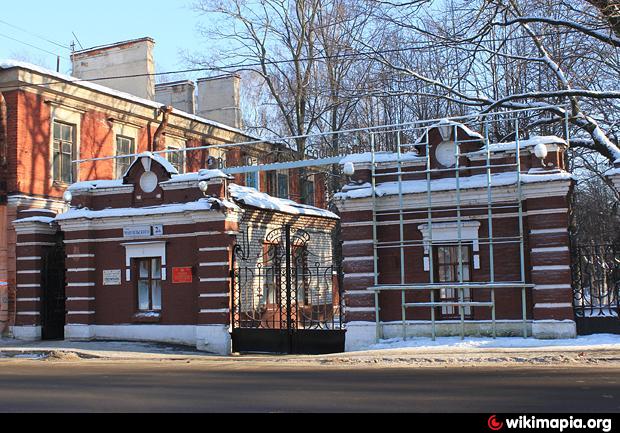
[(67, 197), (349, 169)]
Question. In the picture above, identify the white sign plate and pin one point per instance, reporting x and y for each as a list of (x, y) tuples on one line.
[(112, 277)]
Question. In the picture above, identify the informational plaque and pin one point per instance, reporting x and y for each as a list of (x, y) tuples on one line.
[(136, 231), (112, 277), (182, 275)]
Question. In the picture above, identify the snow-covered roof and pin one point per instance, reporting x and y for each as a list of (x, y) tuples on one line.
[(448, 122), (199, 176), (155, 157), (8, 64), (204, 204), (252, 197), (523, 144), (35, 219), (95, 184), (447, 184)]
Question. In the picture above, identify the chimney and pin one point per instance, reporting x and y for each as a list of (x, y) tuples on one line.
[(219, 100), (179, 94), (133, 59)]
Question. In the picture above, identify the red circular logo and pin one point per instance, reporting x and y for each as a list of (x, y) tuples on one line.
[(494, 424)]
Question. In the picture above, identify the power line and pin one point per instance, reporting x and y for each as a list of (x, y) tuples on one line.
[(30, 45), (35, 35), (241, 66)]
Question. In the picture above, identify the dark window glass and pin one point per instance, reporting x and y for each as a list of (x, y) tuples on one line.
[(64, 151)]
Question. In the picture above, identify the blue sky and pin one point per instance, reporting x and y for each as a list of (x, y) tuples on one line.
[(171, 23)]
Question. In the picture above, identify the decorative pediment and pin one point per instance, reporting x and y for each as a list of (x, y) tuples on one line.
[(147, 171)]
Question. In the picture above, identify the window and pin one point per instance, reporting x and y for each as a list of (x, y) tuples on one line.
[(448, 271), (63, 152), (124, 146), (252, 180), (149, 284), (177, 159), (307, 196), (282, 184)]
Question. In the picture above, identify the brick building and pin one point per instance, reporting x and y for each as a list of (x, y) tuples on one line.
[(441, 244), (48, 120)]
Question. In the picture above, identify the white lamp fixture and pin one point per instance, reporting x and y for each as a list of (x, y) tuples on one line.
[(349, 169), (203, 186), (67, 197), (541, 153)]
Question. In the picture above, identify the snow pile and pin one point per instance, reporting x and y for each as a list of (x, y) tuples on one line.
[(598, 341), (381, 157), (523, 144), (35, 219), (7, 64), (95, 184), (251, 197), (448, 184), (204, 204), (199, 176)]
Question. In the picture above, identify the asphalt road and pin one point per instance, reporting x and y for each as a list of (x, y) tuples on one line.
[(244, 387)]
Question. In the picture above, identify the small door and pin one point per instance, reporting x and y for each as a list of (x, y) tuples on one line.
[(53, 301)]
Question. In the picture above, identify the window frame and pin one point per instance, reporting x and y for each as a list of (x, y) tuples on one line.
[(118, 167), (450, 312), (57, 178), (150, 279)]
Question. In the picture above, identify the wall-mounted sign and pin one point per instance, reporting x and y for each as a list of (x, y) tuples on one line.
[(136, 231), (112, 277), (158, 230), (182, 275)]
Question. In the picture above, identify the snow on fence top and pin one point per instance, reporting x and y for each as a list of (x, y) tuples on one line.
[(447, 184), (381, 157), (251, 197)]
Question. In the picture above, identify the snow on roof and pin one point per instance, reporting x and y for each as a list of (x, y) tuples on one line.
[(8, 64), (359, 158), (199, 176), (35, 219), (531, 142), (204, 204), (95, 184), (155, 157), (447, 184), (251, 197), (444, 122)]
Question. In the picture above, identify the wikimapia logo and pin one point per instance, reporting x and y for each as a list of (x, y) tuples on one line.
[(559, 424)]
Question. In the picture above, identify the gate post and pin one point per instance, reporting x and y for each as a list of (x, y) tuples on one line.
[(34, 235)]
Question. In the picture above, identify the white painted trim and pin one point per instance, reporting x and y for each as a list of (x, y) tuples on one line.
[(28, 286), (213, 280), (357, 293), (551, 305), (547, 211), (145, 249), (360, 242), (551, 268), (75, 270), (28, 300), (81, 256), (549, 231), (81, 285), (358, 259), (360, 275), (553, 287), (217, 311), (80, 299), (29, 259), (80, 313), (28, 313), (182, 217), (214, 295), (360, 309), (35, 244), (550, 250), (38, 271), (213, 264), (148, 239), (210, 249)]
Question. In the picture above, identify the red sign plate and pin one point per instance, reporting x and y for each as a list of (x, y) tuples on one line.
[(182, 275)]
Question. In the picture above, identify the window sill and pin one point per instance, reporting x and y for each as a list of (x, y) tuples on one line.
[(147, 317)]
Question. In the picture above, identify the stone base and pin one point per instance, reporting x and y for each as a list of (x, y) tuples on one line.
[(26, 333), (213, 339), (362, 334), (553, 329)]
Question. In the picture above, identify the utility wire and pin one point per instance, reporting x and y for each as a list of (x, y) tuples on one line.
[(36, 35), (30, 45)]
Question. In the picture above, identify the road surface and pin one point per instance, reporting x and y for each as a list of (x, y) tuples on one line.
[(189, 386)]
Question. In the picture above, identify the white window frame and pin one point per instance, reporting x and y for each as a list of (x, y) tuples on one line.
[(73, 117), (448, 232), (142, 250), (127, 131), (173, 142)]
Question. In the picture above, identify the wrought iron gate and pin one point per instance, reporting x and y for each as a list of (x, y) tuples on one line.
[(285, 299), (596, 287), (53, 288)]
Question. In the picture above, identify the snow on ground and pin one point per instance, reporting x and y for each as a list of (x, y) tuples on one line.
[(598, 341)]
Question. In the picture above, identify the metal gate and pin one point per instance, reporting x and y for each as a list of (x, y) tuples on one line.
[(53, 288), (596, 287), (285, 299)]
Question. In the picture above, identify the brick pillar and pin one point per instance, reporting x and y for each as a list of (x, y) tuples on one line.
[(549, 251), (81, 280), (358, 269), (34, 236), (214, 286)]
